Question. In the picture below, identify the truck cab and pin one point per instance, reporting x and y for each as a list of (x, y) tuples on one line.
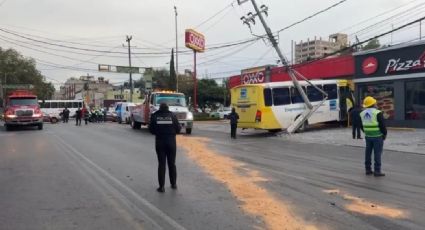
[(176, 102), (22, 109)]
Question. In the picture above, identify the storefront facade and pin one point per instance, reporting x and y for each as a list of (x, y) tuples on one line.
[(395, 76)]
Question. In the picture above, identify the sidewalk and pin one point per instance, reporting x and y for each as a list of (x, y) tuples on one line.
[(412, 141)]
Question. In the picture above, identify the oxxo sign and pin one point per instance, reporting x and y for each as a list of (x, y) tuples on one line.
[(195, 40), (253, 78)]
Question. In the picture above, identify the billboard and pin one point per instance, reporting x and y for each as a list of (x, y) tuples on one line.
[(195, 40)]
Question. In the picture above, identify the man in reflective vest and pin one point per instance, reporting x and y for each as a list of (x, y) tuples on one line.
[(375, 132), (164, 125)]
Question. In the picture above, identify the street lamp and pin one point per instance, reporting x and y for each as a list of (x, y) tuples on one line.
[(177, 51)]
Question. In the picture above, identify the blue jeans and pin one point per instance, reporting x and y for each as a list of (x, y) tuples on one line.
[(374, 144)]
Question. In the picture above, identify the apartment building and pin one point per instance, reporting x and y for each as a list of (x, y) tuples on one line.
[(317, 48)]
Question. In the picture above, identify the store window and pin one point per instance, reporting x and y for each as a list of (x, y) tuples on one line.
[(415, 100), (384, 94)]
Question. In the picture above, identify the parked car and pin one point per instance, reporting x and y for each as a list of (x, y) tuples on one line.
[(224, 112)]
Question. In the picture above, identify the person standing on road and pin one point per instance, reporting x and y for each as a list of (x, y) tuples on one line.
[(356, 121), (65, 114), (78, 115), (164, 125), (375, 132), (234, 117), (85, 115)]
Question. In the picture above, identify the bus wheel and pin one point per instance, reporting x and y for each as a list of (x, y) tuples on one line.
[(303, 127), (274, 130), (188, 130)]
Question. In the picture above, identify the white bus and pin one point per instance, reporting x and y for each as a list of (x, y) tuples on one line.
[(275, 106), (53, 108)]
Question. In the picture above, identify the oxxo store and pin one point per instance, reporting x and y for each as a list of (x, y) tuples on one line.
[(395, 76)]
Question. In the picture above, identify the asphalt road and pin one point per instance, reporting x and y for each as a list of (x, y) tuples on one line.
[(103, 176)]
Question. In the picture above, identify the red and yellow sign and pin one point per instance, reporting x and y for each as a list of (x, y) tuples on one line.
[(195, 40)]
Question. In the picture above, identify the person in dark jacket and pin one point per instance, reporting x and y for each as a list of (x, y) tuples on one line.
[(164, 125), (356, 121), (65, 114), (234, 117), (373, 126), (78, 115)]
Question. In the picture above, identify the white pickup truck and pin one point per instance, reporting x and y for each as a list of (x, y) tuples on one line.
[(140, 114)]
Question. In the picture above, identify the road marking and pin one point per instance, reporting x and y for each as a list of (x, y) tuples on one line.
[(104, 173)]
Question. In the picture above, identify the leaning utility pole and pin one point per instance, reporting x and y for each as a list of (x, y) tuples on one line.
[(310, 109), (128, 39)]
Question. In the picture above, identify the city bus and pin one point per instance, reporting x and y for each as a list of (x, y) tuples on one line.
[(275, 106), (54, 108)]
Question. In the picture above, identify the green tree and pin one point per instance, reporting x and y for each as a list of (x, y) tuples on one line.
[(16, 69), (173, 77), (372, 44)]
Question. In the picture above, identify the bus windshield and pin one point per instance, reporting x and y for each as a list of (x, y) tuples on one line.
[(170, 99), (23, 101)]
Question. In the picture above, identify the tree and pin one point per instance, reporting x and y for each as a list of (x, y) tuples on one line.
[(173, 77), (16, 69), (372, 44)]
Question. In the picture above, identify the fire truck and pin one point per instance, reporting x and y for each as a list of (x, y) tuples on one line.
[(176, 102), (22, 109)]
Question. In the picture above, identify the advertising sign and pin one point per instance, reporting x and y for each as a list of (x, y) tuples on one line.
[(389, 62), (195, 40)]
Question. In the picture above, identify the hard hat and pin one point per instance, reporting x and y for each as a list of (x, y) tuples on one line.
[(369, 101)]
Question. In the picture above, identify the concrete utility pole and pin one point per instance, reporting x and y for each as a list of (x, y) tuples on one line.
[(128, 39), (177, 52), (310, 109)]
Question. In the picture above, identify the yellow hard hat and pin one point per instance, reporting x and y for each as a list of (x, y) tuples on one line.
[(369, 101)]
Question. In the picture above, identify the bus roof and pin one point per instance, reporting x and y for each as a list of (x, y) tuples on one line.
[(290, 83)]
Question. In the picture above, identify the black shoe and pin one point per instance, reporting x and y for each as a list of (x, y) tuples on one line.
[(378, 174), (359, 138), (174, 186), (160, 189), (369, 173)]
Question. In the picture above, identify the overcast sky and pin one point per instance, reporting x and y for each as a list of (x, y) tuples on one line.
[(104, 24)]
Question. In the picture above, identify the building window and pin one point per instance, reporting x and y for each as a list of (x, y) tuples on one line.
[(384, 94), (415, 100)]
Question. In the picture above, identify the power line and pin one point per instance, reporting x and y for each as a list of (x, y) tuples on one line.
[(312, 16)]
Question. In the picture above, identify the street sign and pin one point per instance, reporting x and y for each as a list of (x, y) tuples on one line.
[(104, 68), (148, 82), (126, 69), (18, 86)]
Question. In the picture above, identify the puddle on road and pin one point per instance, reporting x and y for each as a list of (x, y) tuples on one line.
[(241, 182), (365, 207)]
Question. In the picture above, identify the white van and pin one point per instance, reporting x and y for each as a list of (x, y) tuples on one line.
[(123, 110)]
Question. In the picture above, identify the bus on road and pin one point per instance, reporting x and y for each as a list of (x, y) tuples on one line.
[(275, 106), (54, 108)]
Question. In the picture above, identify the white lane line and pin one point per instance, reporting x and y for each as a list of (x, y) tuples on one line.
[(154, 209)]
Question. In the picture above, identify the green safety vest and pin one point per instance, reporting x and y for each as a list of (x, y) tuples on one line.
[(370, 122)]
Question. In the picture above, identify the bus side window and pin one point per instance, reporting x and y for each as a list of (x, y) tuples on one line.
[(296, 96), (313, 94), (281, 96), (80, 105), (41, 104), (46, 105), (68, 105), (53, 105), (268, 97), (332, 91)]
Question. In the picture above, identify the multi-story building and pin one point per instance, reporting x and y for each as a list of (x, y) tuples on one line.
[(317, 48), (92, 90)]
